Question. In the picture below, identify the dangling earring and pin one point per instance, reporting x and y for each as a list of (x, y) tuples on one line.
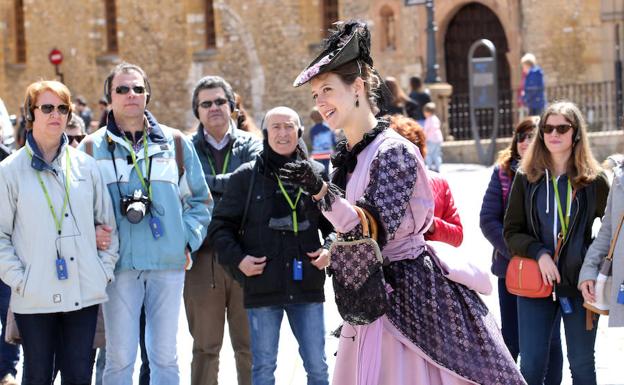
[(357, 101)]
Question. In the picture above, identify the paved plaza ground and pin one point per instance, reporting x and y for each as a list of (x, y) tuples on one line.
[(468, 183)]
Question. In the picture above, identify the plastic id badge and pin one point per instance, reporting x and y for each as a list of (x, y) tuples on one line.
[(156, 227), (61, 269), (566, 305), (620, 298), (297, 270)]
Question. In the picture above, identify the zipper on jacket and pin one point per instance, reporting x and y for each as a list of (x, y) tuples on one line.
[(565, 241)]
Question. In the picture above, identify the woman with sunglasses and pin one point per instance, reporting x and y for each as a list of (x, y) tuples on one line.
[(555, 197), (433, 327), (52, 196), (491, 222), (75, 130)]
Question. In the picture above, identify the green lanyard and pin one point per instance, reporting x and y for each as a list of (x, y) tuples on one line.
[(136, 166), (58, 222), (293, 206), (225, 163), (564, 222)]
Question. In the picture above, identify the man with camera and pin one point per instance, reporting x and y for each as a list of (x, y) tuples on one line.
[(162, 208), (210, 294)]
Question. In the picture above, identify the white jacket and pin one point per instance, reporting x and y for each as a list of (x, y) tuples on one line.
[(28, 237)]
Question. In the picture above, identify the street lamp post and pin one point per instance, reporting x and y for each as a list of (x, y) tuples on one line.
[(432, 65)]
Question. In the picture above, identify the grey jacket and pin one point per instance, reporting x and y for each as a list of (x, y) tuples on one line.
[(28, 239), (600, 247)]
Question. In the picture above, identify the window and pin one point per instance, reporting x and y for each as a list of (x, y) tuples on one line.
[(211, 35), (388, 28), (330, 15), (110, 11), (20, 32)]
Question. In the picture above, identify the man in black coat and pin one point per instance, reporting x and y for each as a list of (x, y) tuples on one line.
[(267, 232)]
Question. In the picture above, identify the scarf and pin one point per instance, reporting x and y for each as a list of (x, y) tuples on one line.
[(345, 160)]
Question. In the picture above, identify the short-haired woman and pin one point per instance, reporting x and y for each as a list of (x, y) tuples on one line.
[(53, 196)]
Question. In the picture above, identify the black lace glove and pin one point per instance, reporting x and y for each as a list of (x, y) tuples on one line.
[(301, 173)]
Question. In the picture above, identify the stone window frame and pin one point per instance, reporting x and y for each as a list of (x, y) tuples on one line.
[(330, 12), (209, 25), (387, 23), (20, 32), (110, 17)]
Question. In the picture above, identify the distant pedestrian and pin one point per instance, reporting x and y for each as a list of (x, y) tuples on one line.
[(433, 133), (533, 94), (83, 110), (322, 138), (421, 98), (400, 103)]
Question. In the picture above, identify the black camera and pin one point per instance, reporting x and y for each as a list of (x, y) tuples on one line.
[(135, 206)]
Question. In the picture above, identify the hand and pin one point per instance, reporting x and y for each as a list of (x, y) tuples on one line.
[(588, 291), (103, 236), (301, 173), (549, 270), (319, 258), (251, 265)]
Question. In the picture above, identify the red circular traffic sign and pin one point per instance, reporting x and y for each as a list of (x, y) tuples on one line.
[(55, 57)]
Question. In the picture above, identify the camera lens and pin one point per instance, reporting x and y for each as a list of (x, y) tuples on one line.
[(135, 212)]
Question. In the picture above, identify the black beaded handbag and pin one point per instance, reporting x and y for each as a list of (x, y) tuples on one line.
[(356, 268)]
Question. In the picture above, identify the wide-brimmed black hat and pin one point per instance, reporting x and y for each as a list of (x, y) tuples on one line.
[(349, 42)]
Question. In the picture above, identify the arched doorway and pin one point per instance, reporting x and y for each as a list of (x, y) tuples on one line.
[(472, 22)]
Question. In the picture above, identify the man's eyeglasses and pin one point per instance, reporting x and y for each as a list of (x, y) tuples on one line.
[(77, 138), (62, 109), (561, 128), (122, 90), (208, 103), (522, 136)]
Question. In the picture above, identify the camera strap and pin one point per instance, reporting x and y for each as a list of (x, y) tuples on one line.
[(145, 183), (58, 221)]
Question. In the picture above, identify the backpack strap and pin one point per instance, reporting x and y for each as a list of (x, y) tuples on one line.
[(179, 152)]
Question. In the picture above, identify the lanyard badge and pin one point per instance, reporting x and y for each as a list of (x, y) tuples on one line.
[(297, 269), (620, 297)]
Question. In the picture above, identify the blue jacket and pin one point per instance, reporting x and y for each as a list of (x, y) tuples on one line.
[(534, 96), (492, 215), (182, 204)]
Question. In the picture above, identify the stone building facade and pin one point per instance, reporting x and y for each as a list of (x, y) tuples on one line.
[(259, 46)]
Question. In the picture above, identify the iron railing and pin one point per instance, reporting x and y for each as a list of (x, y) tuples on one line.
[(597, 101)]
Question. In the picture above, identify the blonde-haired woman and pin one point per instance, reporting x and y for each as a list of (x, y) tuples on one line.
[(557, 193), (53, 196)]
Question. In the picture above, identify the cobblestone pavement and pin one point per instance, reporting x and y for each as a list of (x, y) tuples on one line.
[(468, 183)]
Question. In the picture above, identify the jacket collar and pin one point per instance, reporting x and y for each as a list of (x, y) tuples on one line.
[(38, 161), (155, 134)]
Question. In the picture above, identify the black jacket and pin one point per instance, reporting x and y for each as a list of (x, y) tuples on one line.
[(275, 286), (521, 229)]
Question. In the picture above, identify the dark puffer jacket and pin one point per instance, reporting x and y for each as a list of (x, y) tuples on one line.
[(275, 286)]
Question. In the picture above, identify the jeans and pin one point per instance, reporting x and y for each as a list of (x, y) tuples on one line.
[(537, 320), (307, 324), (433, 160), (41, 342), (509, 328), (9, 353), (160, 291)]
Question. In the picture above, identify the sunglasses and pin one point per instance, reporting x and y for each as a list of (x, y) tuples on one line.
[(522, 136), (122, 90), (62, 109), (561, 128), (208, 103), (77, 138)]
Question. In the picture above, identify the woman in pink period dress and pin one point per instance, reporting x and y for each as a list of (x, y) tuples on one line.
[(435, 331)]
